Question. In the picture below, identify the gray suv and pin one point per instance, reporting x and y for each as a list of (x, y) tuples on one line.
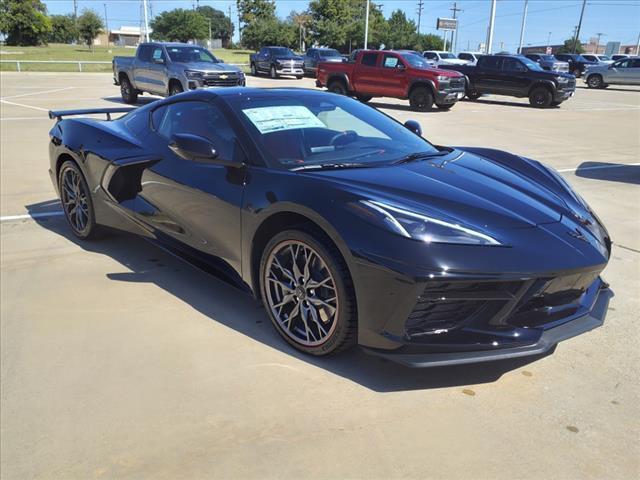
[(621, 72), (313, 56), (170, 68)]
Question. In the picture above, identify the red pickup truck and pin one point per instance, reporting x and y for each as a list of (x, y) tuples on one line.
[(398, 74)]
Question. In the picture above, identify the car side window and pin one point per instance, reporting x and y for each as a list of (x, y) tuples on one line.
[(201, 119), (390, 61), (465, 56), (430, 56), (157, 54), (491, 62), (635, 63), (144, 53), (623, 63), (512, 65), (157, 115), (370, 59)]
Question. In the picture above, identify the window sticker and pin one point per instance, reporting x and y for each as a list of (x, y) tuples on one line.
[(273, 119), (390, 62)]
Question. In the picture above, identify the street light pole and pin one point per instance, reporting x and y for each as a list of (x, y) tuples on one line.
[(106, 22), (146, 20), (366, 27), (492, 19), (524, 20)]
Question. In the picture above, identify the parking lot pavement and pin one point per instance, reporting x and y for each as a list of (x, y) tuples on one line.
[(119, 361)]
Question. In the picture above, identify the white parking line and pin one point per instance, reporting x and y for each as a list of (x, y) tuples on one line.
[(37, 93), (31, 216), (2, 100)]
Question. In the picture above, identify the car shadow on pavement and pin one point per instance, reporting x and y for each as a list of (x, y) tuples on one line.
[(611, 172), (239, 311), (404, 108), (486, 101)]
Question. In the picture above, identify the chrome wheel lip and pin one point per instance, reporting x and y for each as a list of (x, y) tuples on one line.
[(74, 201), (306, 307)]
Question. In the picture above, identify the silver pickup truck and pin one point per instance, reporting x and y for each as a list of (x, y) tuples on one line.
[(170, 68)]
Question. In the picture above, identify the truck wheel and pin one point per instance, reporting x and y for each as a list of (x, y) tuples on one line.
[(420, 99), (175, 89), (473, 96), (254, 70), (576, 72), (364, 98), (129, 94), (594, 81), (540, 97), (272, 72), (299, 77), (445, 106), (337, 86)]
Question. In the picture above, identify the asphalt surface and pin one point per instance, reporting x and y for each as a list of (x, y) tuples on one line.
[(119, 361)]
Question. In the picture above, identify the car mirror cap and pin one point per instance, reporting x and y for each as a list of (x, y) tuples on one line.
[(414, 126)]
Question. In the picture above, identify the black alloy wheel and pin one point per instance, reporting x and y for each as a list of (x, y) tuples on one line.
[(128, 93), (308, 294), (594, 81), (337, 86), (421, 99), (540, 98), (76, 201)]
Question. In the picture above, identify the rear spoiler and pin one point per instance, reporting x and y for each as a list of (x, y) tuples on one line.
[(58, 114)]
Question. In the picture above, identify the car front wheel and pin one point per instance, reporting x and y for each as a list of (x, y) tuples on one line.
[(307, 291), (336, 86), (128, 93), (420, 99), (540, 97), (594, 81)]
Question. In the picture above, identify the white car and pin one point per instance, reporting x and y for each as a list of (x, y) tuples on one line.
[(597, 58), (443, 58), (471, 57)]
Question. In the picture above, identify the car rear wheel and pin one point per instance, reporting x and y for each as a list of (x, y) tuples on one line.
[(128, 93), (254, 70), (364, 98), (272, 72), (299, 77), (76, 201), (336, 86), (594, 81), (307, 291), (473, 96), (540, 97), (421, 99)]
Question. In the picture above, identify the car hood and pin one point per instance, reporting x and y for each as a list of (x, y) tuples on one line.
[(478, 187), (209, 67), (454, 61)]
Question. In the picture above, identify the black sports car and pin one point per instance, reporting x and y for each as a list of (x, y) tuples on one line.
[(350, 226)]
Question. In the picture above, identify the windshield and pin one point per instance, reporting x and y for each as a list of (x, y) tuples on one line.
[(531, 65), (312, 130), (415, 60), (329, 53), (447, 55), (282, 52), (190, 54), (548, 58), (603, 58)]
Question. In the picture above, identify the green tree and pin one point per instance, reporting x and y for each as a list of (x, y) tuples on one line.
[(90, 26), (180, 25), (427, 41), (221, 25), (252, 10), (269, 31), (401, 32), (24, 22), (301, 21), (63, 29), (567, 47)]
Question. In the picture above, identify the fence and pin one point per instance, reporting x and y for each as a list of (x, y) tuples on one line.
[(76, 62)]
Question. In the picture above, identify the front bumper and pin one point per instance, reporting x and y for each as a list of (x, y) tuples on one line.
[(217, 80), (450, 93), (290, 70), (547, 339)]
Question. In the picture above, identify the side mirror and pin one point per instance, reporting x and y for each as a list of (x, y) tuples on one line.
[(192, 147), (414, 127), (159, 61), (400, 66)]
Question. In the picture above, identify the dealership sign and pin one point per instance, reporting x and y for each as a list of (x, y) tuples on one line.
[(447, 24)]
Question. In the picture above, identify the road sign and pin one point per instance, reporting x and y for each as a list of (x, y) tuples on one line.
[(447, 24), (612, 48), (549, 50)]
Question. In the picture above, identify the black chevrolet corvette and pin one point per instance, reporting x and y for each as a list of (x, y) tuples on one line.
[(349, 226)]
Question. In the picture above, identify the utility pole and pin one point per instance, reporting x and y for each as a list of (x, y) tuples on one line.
[(146, 21), (577, 39), (75, 9), (230, 27), (638, 45), (492, 19), (366, 27), (598, 42), (524, 20), (106, 22), (454, 35), (420, 5)]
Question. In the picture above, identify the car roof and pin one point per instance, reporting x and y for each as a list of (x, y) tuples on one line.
[(210, 93)]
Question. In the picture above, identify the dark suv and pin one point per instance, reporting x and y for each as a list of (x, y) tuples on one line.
[(577, 63), (548, 62)]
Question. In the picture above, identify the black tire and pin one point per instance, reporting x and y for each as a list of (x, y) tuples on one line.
[(175, 88), (540, 97), (337, 86), (473, 96), (272, 72), (445, 106), (254, 70), (575, 72), (128, 93), (595, 81), (76, 200), (421, 99), (299, 77), (340, 327), (364, 98)]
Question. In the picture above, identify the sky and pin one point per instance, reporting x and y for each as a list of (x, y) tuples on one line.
[(617, 20)]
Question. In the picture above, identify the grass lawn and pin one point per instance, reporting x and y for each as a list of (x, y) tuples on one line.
[(82, 52)]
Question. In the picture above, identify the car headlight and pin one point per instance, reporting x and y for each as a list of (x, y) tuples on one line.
[(241, 74), (193, 74), (443, 78), (562, 80), (422, 227)]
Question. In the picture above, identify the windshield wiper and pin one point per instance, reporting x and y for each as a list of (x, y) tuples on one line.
[(328, 166), (421, 156)]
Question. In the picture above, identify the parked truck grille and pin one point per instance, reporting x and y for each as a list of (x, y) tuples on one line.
[(221, 80), (456, 82)]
